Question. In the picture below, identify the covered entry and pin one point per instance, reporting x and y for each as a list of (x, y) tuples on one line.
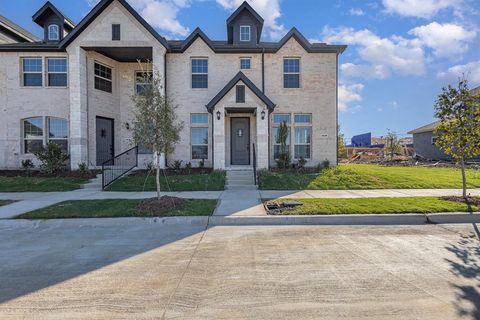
[(240, 141)]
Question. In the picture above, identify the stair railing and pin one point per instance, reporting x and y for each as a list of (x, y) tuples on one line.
[(254, 164), (118, 166)]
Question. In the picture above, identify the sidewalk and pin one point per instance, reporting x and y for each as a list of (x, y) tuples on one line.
[(231, 202)]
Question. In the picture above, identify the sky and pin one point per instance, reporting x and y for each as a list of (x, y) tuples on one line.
[(400, 52)]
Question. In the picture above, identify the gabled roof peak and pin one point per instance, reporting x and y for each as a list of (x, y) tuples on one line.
[(244, 6), (40, 15)]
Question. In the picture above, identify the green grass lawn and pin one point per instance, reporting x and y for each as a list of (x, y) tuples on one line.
[(194, 182), (116, 208), (366, 176), (40, 184), (378, 206)]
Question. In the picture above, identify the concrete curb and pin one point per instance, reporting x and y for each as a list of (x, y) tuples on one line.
[(357, 219)]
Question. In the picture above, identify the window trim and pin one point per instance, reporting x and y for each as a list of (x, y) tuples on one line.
[(299, 71), (203, 126), (249, 63), (249, 33), (198, 73), (47, 82), (22, 72), (103, 78), (45, 138), (49, 32)]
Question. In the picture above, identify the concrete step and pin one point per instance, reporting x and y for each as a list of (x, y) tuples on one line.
[(237, 187), (240, 183), (245, 178), (241, 174)]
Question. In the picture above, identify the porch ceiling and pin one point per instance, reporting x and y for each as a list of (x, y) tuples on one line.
[(125, 54)]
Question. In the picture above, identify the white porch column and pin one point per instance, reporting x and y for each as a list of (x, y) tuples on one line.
[(158, 67), (219, 138), (262, 139), (78, 106)]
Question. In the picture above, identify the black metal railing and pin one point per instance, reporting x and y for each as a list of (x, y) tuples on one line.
[(118, 166), (254, 164)]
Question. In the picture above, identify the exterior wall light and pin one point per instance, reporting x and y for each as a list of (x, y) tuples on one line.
[(263, 114), (218, 115)]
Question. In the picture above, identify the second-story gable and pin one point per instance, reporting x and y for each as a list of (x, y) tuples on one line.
[(244, 26), (55, 24)]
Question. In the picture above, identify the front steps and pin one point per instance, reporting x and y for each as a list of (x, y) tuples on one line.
[(240, 180)]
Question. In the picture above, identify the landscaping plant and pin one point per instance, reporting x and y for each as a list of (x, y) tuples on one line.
[(156, 125), (27, 165), (52, 158), (284, 158), (458, 134), (392, 144)]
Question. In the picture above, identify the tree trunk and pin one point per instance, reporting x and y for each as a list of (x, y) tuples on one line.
[(157, 178), (464, 178)]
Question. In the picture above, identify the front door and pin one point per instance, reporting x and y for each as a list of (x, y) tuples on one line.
[(240, 140), (104, 135)]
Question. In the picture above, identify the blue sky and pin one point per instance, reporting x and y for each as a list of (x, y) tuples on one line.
[(401, 52)]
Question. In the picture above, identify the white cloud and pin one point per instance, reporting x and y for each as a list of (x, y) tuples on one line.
[(420, 8), (160, 14), (446, 40), (383, 55), (470, 70), (366, 71), (348, 94), (356, 12), (268, 9)]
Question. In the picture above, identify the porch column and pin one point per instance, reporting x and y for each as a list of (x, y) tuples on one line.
[(262, 139), (219, 138), (78, 106)]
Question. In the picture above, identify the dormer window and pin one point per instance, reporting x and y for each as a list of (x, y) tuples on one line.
[(53, 32), (245, 33)]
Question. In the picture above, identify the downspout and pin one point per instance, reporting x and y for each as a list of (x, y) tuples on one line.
[(213, 142), (165, 88), (88, 104), (263, 70)]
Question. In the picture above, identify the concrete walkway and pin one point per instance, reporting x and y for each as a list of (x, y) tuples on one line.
[(231, 202)]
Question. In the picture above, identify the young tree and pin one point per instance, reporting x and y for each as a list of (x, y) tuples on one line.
[(392, 144), (342, 150), (458, 134), (284, 157), (155, 125)]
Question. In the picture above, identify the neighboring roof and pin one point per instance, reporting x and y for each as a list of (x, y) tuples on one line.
[(30, 46), (18, 31), (97, 10), (40, 15), (240, 77), (428, 128)]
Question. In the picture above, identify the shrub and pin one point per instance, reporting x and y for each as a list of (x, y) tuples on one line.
[(302, 162), (188, 167), (27, 164), (52, 157), (83, 167), (177, 165), (325, 164), (284, 158), (201, 164)]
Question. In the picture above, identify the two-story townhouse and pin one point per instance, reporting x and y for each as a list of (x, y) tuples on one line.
[(75, 88)]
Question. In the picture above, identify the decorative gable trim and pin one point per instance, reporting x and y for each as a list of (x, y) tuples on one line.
[(197, 33)]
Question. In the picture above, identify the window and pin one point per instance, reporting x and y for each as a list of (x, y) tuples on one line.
[(32, 72), (142, 81), (53, 32), (245, 63), (277, 120), (115, 32), (199, 73), (32, 134), (240, 94), (434, 140), (302, 142), (199, 136), (57, 72), (103, 77), (303, 118), (244, 33), (291, 73), (35, 137), (58, 132)]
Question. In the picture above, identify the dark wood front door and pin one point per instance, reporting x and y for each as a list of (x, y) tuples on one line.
[(240, 141), (105, 143)]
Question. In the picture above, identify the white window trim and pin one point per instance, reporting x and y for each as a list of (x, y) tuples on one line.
[(50, 33), (103, 78), (47, 72), (46, 132), (22, 72), (245, 58), (299, 71), (249, 33), (199, 125), (198, 73)]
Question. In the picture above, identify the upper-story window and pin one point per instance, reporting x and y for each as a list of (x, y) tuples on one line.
[(142, 81), (32, 72), (245, 63), (199, 73), (57, 72), (115, 32), (103, 77), (291, 73), (245, 33), (53, 32)]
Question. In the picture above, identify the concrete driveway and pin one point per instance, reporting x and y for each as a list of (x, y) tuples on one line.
[(136, 269)]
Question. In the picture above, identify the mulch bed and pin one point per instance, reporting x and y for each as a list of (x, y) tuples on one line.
[(469, 200), (172, 172), (279, 207), (61, 174), (155, 206)]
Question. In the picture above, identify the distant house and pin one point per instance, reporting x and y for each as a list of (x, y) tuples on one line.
[(13, 33)]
